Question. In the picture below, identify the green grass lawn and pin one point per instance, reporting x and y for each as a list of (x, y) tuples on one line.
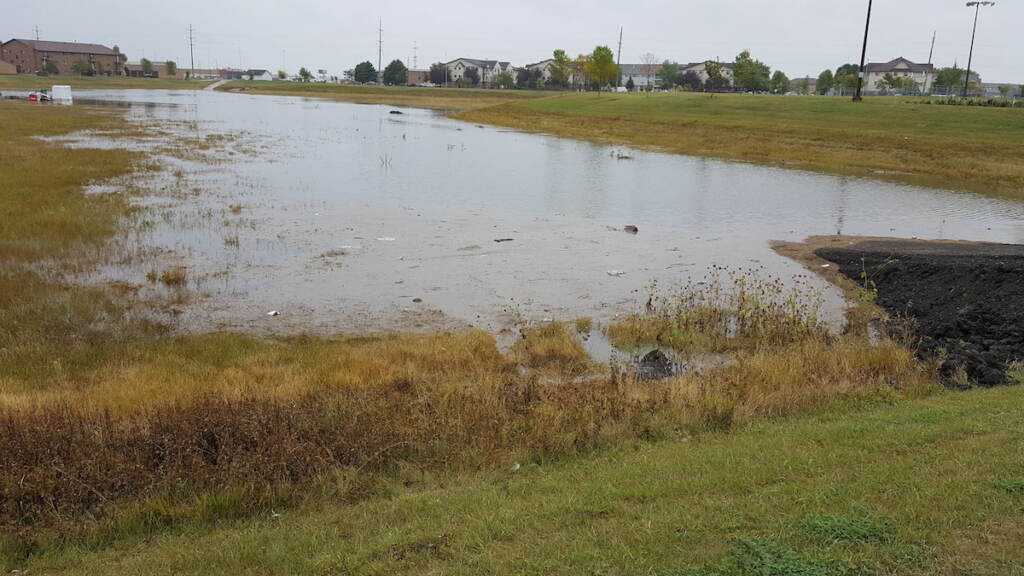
[(969, 148), (33, 82), (929, 486)]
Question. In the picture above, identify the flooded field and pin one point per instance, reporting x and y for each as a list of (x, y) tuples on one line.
[(333, 217)]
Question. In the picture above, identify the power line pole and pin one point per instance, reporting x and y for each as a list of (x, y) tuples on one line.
[(37, 33), (191, 51), (618, 60), (415, 64), (380, 46), (863, 57), (932, 51), (970, 59)]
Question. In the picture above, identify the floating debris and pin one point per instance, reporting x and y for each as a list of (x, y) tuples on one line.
[(632, 229), (616, 273)]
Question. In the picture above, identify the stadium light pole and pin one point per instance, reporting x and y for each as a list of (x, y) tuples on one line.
[(863, 57), (977, 8)]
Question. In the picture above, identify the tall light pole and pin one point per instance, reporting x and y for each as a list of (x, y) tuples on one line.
[(863, 57), (977, 8)]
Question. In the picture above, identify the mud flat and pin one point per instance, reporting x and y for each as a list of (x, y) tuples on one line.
[(966, 300)]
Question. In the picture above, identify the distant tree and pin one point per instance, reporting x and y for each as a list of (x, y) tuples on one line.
[(845, 77), (471, 76), (668, 73), (81, 67), (601, 68), (825, 81), (147, 67), (51, 68), (438, 73), (503, 80), (949, 80), (306, 75), (1005, 90), (363, 73), (1020, 91), (751, 75), (779, 83), (281, 74), (171, 68), (691, 81), (716, 78), (581, 72), (649, 68), (99, 69), (630, 85), (560, 69), (396, 74), (803, 86)]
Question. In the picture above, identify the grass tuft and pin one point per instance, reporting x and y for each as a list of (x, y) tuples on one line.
[(1013, 486), (837, 528)]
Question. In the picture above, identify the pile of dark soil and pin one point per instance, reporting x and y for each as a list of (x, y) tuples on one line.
[(967, 300)]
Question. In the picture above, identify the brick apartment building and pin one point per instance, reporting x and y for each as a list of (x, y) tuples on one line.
[(32, 56)]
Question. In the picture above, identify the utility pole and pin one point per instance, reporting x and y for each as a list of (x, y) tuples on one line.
[(414, 56), (37, 33), (380, 48), (618, 60), (863, 57), (970, 59), (932, 51), (192, 52)]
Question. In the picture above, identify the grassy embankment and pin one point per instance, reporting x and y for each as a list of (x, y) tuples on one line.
[(929, 487), (451, 99), (966, 148), (973, 149), (112, 427), (33, 82)]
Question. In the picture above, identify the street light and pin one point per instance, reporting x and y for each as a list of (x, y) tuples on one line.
[(977, 8), (863, 57)]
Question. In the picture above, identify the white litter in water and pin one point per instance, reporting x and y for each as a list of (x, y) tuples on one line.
[(385, 239), (826, 265), (273, 313), (616, 273)]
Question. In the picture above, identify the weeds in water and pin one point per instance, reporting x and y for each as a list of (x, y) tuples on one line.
[(732, 310), (583, 325), (551, 345), (174, 276)]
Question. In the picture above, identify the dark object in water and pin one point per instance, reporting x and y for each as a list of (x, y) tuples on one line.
[(502, 240), (632, 229), (655, 366), (396, 112)]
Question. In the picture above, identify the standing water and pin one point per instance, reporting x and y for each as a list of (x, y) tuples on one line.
[(348, 218)]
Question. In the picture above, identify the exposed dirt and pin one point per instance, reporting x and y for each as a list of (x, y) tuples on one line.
[(966, 299)]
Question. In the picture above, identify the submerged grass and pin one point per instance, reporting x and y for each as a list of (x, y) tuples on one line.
[(33, 82)]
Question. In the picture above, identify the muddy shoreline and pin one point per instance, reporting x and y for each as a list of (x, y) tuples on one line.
[(965, 300)]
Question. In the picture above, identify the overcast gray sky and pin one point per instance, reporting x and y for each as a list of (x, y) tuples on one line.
[(800, 37)]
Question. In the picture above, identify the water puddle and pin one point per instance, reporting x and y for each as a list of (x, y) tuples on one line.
[(347, 218)]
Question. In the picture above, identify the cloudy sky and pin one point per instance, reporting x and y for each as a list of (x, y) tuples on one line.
[(800, 37)]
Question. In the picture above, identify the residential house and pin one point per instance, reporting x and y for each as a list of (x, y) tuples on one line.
[(260, 75), (417, 77), (701, 70), (638, 72), (544, 68), (922, 74), (799, 84), (7, 68), (35, 56), (487, 69)]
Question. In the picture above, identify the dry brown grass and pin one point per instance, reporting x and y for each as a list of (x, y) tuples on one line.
[(552, 345)]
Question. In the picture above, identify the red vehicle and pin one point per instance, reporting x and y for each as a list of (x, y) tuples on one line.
[(39, 96)]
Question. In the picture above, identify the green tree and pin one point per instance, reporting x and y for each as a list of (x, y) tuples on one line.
[(1005, 90), (779, 83), (305, 74), (846, 77), (81, 67), (630, 85), (751, 75), (668, 73), (560, 69), (601, 67), (396, 74), (171, 68), (691, 81), (949, 80), (471, 77), (51, 68), (147, 67), (803, 86), (503, 80), (716, 78), (281, 74), (364, 72), (825, 81)]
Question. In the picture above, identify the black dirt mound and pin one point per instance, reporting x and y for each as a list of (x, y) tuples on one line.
[(967, 299)]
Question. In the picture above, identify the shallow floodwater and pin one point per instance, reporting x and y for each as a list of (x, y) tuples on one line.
[(348, 218)]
